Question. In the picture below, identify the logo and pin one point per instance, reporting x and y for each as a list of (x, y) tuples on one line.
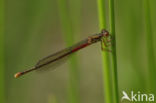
[(137, 97)]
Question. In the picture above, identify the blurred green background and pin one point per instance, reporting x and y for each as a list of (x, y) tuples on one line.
[(33, 29)]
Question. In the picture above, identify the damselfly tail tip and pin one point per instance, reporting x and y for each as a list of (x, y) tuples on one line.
[(17, 74)]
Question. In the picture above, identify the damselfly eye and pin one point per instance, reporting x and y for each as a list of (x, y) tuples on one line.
[(105, 33)]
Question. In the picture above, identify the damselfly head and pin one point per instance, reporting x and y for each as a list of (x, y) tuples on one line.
[(105, 33)]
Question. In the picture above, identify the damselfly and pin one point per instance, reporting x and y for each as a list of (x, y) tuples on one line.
[(104, 37)]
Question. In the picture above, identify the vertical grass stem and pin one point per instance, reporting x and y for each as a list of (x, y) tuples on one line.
[(114, 56), (2, 62), (105, 55)]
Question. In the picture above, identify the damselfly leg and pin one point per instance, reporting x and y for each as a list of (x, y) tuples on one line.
[(107, 41)]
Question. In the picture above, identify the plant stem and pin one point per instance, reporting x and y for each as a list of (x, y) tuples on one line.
[(150, 46), (2, 62), (105, 55), (68, 31), (114, 58)]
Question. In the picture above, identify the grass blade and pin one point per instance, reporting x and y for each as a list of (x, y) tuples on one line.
[(2, 62), (150, 45), (68, 35), (114, 57), (105, 55)]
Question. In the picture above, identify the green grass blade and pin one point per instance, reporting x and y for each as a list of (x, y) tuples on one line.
[(105, 55), (2, 70), (75, 13), (68, 35), (114, 58), (150, 45), (102, 16)]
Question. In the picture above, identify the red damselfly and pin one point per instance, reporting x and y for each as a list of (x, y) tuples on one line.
[(104, 37)]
